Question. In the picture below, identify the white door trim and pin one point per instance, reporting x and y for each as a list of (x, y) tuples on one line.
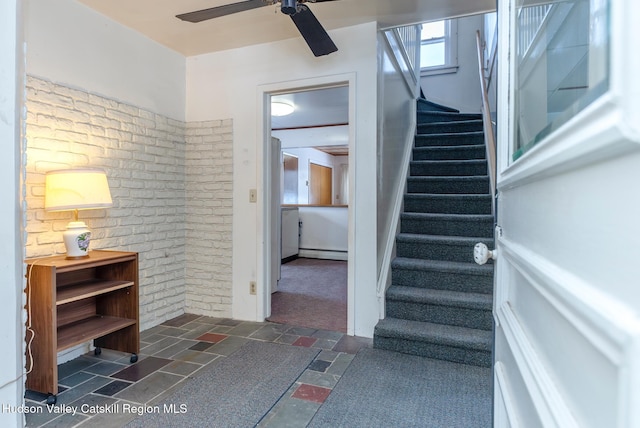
[(264, 93)]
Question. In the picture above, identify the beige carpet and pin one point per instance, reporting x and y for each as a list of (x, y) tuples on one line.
[(312, 293)]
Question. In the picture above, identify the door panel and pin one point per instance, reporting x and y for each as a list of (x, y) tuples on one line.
[(320, 184), (567, 300)]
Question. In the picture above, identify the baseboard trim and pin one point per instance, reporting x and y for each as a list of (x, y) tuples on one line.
[(288, 259), (323, 254)]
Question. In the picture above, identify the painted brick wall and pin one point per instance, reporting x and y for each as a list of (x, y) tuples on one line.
[(144, 156), (209, 173)]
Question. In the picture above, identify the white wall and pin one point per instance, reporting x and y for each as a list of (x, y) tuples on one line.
[(323, 228), (103, 95), (460, 90), (143, 155), (11, 252), (396, 132), (69, 43), (231, 84)]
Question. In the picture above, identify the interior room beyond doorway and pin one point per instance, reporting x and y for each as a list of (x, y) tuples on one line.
[(312, 286)]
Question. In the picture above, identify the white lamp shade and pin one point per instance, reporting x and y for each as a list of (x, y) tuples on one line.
[(76, 189)]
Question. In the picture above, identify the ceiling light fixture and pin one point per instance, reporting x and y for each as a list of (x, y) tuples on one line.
[(280, 108)]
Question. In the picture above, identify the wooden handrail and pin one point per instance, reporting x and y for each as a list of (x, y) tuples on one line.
[(489, 137)]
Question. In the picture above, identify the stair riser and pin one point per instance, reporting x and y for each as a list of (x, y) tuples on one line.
[(449, 127), (424, 105), (434, 350), (439, 314), (418, 169), (453, 252), (447, 227), (449, 140), (455, 153), (452, 281), (435, 116), (447, 205), (444, 186)]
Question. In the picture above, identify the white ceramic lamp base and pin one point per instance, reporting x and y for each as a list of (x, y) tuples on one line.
[(77, 238)]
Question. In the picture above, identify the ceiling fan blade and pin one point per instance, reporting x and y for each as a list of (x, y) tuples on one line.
[(216, 12), (312, 31)]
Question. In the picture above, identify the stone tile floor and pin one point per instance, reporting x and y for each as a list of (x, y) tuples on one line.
[(178, 349)]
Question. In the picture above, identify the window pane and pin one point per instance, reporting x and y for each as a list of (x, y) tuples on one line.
[(432, 54), (432, 30), (561, 67)]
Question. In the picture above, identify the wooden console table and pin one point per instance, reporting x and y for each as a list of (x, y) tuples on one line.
[(70, 302)]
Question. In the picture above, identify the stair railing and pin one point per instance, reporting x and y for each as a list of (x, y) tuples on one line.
[(489, 136)]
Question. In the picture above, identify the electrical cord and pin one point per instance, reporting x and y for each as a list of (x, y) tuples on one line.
[(28, 329)]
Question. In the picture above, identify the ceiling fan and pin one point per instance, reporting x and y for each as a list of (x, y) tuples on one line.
[(308, 25)]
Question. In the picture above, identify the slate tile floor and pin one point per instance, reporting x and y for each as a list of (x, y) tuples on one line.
[(179, 348)]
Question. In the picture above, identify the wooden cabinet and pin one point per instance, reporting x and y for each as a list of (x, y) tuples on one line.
[(70, 302)]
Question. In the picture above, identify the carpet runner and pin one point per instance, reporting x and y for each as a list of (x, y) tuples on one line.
[(439, 302)]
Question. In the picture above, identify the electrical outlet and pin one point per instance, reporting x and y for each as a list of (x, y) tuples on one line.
[(252, 287), (253, 195)]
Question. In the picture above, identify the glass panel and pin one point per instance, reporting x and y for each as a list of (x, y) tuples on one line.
[(432, 30), (562, 64), (432, 54)]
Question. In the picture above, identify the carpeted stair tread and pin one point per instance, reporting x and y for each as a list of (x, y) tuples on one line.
[(462, 337), (449, 127), (439, 239), (447, 224), (450, 139), (437, 247), (447, 203), (473, 184), (440, 297), (445, 116), (472, 167), (463, 152), (442, 266), (450, 307)]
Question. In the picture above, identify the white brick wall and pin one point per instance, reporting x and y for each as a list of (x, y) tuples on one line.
[(144, 156), (209, 166)]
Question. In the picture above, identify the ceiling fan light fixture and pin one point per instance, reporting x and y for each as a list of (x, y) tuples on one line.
[(289, 7), (280, 108)]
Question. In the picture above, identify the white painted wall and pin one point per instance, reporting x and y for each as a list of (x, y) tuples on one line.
[(143, 155), (396, 132), (323, 228), (70, 44), (231, 84), (460, 90), (11, 251)]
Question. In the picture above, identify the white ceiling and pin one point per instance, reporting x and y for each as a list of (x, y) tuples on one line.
[(156, 19), (318, 108)]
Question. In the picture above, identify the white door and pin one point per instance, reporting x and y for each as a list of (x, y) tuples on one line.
[(567, 301)]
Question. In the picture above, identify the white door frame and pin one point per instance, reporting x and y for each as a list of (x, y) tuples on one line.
[(264, 262)]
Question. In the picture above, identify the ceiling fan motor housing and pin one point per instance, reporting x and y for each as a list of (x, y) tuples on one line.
[(289, 7)]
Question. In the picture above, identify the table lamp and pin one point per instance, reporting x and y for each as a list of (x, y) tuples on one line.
[(73, 190)]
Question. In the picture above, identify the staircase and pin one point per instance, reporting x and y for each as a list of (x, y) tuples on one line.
[(439, 302)]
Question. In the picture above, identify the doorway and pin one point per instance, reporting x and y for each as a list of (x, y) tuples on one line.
[(312, 284)]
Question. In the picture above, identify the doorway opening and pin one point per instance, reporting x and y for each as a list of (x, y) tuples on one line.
[(310, 202)]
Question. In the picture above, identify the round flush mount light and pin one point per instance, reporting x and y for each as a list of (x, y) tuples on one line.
[(280, 108)]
